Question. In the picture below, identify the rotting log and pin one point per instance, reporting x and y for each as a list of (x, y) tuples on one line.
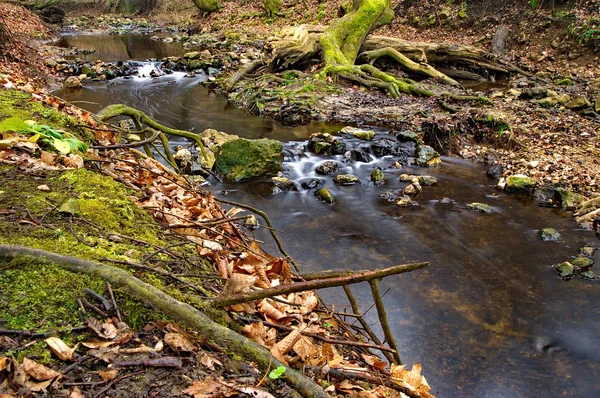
[(366, 276), (185, 313)]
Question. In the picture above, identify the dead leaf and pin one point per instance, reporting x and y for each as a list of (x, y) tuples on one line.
[(98, 344), (58, 347), (48, 158), (76, 393), (238, 283), (306, 348), (310, 302), (208, 361), (270, 312), (347, 387), (413, 377), (108, 374), (257, 332), (105, 354), (39, 386), (285, 345), (207, 388), (73, 161), (179, 343), (374, 361), (39, 371), (4, 362)]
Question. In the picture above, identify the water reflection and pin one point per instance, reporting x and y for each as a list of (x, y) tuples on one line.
[(112, 48)]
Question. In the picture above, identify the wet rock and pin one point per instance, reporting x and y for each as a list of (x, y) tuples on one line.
[(495, 172), (588, 275), (588, 250), (534, 93), (549, 235), (568, 200), (251, 222), (183, 159), (582, 264), (547, 102), (361, 134), (282, 184), (447, 201), (377, 177), (346, 179), (520, 184), (72, 82), (427, 156), (311, 184), (324, 195), (405, 201), (327, 167), (391, 196), (321, 143), (480, 207), (425, 180), (50, 63), (546, 195), (242, 159), (406, 136), (386, 147), (578, 103), (359, 155), (565, 270), (413, 189)]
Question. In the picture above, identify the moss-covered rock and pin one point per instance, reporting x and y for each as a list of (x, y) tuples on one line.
[(346, 179), (324, 195), (378, 177), (565, 270), (242, 159), (578, 103), (427, 156), (480, 207), (568, 200), (520, 184), (282, 184)]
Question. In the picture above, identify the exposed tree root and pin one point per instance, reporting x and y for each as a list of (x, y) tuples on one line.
[(140, 118), (192, 317)]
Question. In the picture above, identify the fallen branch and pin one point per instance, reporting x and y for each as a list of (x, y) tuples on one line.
[(366, 276), (185, 313), (318, 336)]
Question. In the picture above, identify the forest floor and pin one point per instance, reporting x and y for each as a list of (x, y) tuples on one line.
[(544, 140)]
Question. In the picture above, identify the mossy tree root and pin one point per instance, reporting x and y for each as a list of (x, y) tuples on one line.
[(182, 312), (140, 118)]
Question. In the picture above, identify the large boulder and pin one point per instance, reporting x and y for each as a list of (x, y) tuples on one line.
[(242, 159), (427, 156)]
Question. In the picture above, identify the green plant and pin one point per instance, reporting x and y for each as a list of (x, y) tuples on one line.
[(534, 3), (277, 373), (462, 11), (60, 140)]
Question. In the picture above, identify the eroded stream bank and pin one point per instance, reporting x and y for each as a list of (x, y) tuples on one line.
[(488, 318)]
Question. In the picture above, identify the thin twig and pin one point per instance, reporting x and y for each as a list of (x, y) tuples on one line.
[(94, 308), (112, 297), (83, 242), (37, 335), (389, 337)]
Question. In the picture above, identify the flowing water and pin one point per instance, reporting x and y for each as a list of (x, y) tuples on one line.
[(488, 318)]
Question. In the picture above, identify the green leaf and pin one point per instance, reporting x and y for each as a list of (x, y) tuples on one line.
[(76, 145), (14, 124), (61, 146), (34, 138), (277, 373)]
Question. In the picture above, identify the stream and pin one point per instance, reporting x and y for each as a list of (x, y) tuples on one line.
[(488, 318)]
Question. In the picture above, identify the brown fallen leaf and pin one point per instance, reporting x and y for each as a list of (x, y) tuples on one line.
[(257, 332), (285, 345), (179, 343), (238, 283), (39, 371), (76, 393), (108, 374), (207, 388), (105, 354), (269, 311), (374, 361), (4, 362), (98, 344), (62, 351)]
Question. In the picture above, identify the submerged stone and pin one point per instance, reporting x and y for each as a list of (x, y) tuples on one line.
[(520, 184), (327, 167), (427, 156), (346, 179), (242, 159), (549, 235), (324, 195), (588, 275), (480, 207), (413, 189), (425, 180), (391, 196), (377, 177), (565, 270)]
